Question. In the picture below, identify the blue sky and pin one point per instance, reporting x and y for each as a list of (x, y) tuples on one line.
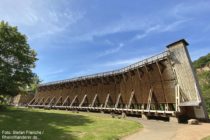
[(80, 37)]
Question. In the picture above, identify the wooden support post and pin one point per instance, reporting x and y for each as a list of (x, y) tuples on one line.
[(149, 100), (142, 108), (94, 100), (40, 101), (177, 92), (124, 78), (51, 101), (166, 107), (31, 101), (118, 100), (130, 100), (36, 101), (83, 100), (106, 101), (45, 101), (162, 83), (151, 89), (58, 101), (75, 97), (65, 100), (139, 75)]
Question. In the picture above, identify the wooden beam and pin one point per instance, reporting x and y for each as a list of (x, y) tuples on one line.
[(139, 75), (106, 101), (149, 99), (118, 100), (83, 100), (45, 101), (36, 100), (94, 100), (65, 100), (75, 97), (51, 101), (177, 92), (124, 78), (162, 82), (130, 100), (58, 100), (31, 101), (40, 101)]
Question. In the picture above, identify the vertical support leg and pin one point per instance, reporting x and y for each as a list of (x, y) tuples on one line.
[(142, 108), (166, 107), (177, 92), (149, 100)]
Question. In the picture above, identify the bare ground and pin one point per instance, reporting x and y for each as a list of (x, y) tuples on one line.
[(159, 130)]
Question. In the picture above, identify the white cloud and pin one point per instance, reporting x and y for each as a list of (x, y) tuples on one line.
[(173, 26), (147, 32), (161, 28), (56, 72), (190, 8), (124, 62), (113, 50), (37, 18)]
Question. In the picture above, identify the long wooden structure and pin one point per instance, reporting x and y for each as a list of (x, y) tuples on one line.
[(162, 85)]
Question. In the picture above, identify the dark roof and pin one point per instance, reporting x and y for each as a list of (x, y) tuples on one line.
[(179, 41)]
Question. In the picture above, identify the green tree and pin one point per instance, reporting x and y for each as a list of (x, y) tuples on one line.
[(16, 61)]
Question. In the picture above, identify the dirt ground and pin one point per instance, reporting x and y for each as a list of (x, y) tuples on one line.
[(159, 130)]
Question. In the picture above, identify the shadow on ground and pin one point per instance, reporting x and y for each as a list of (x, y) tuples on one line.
[(54, 125)]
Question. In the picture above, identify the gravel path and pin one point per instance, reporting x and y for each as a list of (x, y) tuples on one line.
[(159, 130)]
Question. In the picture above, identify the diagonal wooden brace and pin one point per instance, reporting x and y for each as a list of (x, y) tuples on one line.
[(106, 101), (75, 97), (31, 101), (58, 100), (118, 100), (83, 100), (94, 100), (51, 101), (65, 100), (130, 100), (45, 101)]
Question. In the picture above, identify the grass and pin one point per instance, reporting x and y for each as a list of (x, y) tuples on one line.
[(65, 125), (206, 138)]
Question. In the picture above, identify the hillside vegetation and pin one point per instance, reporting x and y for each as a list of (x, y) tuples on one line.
[(202, 66)]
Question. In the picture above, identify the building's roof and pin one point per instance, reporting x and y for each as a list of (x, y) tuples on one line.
[(114, 72), (177, 42)]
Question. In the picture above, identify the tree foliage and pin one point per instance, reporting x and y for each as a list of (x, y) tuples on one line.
[(16, 61), (202, 61), (204, 78)]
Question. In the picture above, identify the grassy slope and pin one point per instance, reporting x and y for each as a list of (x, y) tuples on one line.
[(66, 125), (206, 138), (204, 78)]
